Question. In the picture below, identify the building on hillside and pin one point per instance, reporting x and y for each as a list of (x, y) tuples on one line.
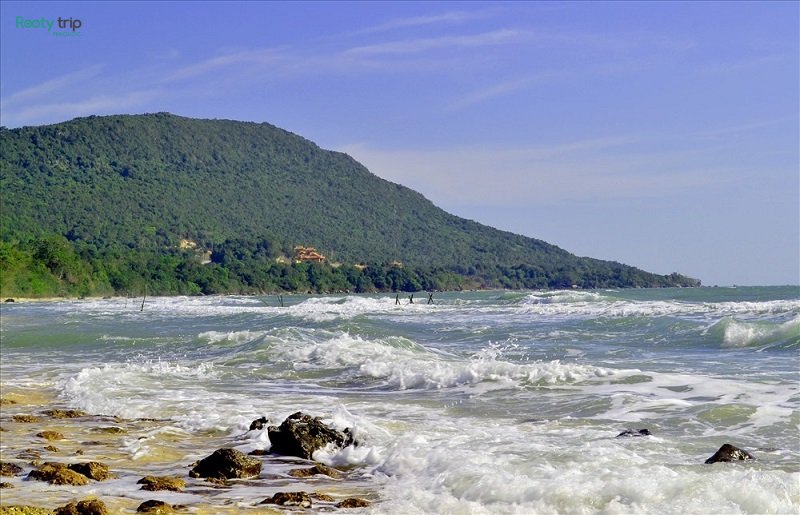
[(308, 254)]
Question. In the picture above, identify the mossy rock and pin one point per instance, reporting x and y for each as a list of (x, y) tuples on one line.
[(316, 469), (58, 474), (4, 484), (25, 419), (7, 402), (24, 510), (85, 507), (9, 469), (227, 464), (300, 499), (93, 470), (155, 483), (61, 413), (155, 506), (353, 502)]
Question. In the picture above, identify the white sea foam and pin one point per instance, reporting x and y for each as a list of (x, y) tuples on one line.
[(736, 333)]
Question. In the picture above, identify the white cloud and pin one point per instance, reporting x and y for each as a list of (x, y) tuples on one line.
[(50, 86), (418, 21), (411, 46)]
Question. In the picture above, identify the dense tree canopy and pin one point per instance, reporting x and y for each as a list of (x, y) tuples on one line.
[(100, 205)]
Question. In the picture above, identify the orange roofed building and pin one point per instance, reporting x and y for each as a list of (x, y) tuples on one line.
[(308, 254)]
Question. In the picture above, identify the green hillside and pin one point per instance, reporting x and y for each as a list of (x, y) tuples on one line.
[(115, 195)]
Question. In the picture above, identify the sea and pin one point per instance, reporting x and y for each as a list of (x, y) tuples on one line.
[(484, 402)]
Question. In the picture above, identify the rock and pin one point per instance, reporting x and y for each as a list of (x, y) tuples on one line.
[(93, 470), (6, 402), (155, 506), (258, 423), (155, 483), (58, 474), (29, 454), (729, 453), (9, 469), (316, 469), (60, 413), (301, 499), (227, 464), (258, 452), (24, 510), (26, 419), (9, 300), (85, 507), (322, 497), (300, 435), (353, 502), (111, 430), (50, 435), (3, 484), (631, 432)]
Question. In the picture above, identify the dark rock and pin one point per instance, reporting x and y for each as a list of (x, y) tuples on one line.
[(258, 452), (316, 469), (3, 484), (300, 435), (58, 474), (93, 470), (631, 432), (50, 435), (322, 497), (258, 423), (51, 448), (353, 502), (9, 469), (155, 506), (85, 507), (9, 300), (301, 499), (227, 464), (61, 413), (729, 453), (155, 483), (111, 430)]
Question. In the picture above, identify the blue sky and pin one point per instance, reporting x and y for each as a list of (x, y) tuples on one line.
[(663, 135)]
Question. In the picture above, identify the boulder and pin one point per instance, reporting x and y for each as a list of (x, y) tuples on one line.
[(353, 502), (85, 507), (58, 474), (155, 483), (9, 469), (301, 499), (258, 423), (93, 470), (729, 453), (300, 435), (631, 432), (227, 464), (155, 506)]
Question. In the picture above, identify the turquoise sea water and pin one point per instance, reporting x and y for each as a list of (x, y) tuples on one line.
[(483, 402)]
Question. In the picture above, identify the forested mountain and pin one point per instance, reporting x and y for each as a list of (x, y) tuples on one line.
[(114, 196)]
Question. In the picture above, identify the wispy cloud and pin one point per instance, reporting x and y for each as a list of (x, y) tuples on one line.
[(450, 17), (51, 86), (504, 88), (98, 104), (411, 46), (251, 57)]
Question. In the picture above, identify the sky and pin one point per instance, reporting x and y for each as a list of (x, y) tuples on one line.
[(663, 135)]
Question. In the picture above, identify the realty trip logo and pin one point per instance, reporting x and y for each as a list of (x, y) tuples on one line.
[(44, 24)]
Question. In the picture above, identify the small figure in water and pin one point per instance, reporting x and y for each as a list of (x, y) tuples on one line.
[(397, 300), (411, 299), (430, 298)]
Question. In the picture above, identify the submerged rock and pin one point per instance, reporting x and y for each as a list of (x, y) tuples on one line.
[(4, 484), (729, 453), (353, 502), (9, 469), (631, 432), (93, 470), (6, 402), (300, 435), (61, 413), (25, 419), (58, 474), (155, 506), (155, 483), (227, 464), (316, 469), (85, 507), (258, 423), (24, 510), (301, 499), (322, 497), (50, 435)]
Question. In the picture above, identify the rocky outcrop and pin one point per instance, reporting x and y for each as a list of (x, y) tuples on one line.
[(86, 507), (155, 483), (50, 435), (258, 423), (227, 464), (729, 453), (300, 499), (300, 435)]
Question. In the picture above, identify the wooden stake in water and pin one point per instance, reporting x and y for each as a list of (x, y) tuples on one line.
[(143, 297)]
